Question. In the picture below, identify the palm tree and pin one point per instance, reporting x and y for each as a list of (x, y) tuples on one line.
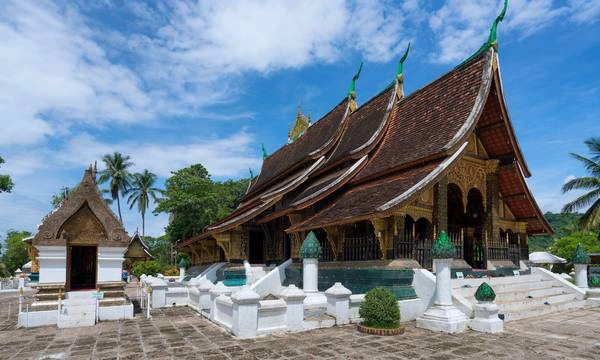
[(141, 191), (117, 171), (591, 183)]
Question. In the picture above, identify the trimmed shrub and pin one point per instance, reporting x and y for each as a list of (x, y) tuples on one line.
[(170, 271), (380, 309), (151, 267), (595, 281)]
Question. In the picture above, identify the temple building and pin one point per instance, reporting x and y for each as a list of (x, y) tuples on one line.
[(377, 182)]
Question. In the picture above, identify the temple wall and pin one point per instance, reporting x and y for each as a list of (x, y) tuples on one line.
[(110, 264), (53, 264)]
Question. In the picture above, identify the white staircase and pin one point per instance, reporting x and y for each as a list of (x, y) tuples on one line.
[(523, 296), (78, 309)]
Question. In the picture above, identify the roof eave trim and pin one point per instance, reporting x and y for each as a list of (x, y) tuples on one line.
[(242, 217), (424, 182), (333, 184), (296, 181)]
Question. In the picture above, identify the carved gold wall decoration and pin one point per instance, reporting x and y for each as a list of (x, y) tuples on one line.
[(470, 173)]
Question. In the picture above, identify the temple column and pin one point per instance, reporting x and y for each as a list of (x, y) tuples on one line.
[(491, 203), (399, 221), (381, 226), (440, 205)]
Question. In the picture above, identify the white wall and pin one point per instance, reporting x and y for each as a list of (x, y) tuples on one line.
[(53, 264), (110, 263)]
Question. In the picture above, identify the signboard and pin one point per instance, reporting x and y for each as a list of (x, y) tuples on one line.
[(516, 273), (460, 275)]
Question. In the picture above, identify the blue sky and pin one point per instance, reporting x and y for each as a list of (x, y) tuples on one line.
[(173, 83)]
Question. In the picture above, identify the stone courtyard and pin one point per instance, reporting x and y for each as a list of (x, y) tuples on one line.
[(180, 333)]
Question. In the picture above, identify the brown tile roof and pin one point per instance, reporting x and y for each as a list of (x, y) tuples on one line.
[(360, 202), (425, 122), (362, 126), (290, 156)]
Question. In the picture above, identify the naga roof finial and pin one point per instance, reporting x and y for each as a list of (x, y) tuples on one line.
[(352, 89), (492, 40), (264, 152), (399, 74), (251, 173)]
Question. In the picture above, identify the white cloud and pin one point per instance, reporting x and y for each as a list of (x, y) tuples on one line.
[(49, 68), (584, 11), (461, 26), (225, 156)]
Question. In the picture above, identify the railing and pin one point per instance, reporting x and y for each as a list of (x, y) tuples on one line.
[(361, 248), (423, 253), (514, 253), (497, 250), (456, 236), (326, 251)]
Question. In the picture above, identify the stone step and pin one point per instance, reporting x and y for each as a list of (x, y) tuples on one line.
[(528, 303), (502, 288), (457, 283), (80, 294), (525, 294), (540, 310)]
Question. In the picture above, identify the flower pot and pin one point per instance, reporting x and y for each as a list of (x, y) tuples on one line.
[(382, 332)]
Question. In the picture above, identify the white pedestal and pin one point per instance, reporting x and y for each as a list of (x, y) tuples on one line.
[(310, 275), (486, 318), (294, 299), (245, 313), (443, 316), (338, 303), (581, 275)]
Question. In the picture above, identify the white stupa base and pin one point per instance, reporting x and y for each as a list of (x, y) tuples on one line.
[(315, 300), (443, 318), (486, 318)]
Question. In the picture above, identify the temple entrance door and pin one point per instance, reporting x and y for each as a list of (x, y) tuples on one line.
[(257, 248), (82, 274), (473, 222)]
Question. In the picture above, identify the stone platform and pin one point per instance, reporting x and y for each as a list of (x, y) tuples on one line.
[(180, 333)]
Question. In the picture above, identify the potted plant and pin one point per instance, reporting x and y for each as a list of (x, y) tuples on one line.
[(380, 313)]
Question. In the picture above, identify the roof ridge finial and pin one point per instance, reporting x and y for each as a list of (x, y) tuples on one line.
[(492, 40), (400, 74), (251, 173), (264, 152), (352, 88)]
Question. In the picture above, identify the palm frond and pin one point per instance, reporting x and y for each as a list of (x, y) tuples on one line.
[(590, 165), (582, 183), (582, 202), (594, 145), (591, 218)]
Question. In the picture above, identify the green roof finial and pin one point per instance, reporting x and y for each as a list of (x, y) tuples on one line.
[(352, 88), (399, 74), (580, 257), (492, 40), (251, 173), (443, 248), (264, 152)]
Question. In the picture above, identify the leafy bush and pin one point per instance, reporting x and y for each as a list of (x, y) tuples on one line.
[(595, 281), (170, 271), (151, 267), (380, 309)]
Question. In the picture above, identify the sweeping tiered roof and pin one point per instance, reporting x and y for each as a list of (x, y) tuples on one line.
[(368, 163)]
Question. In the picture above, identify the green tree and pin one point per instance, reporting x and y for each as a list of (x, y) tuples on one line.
[(591, 184), (194, 201), (141, 191), (62, 195), (15, 255), (565, 246), (6, 183), (117, 173), (563, 225), (160, 248)]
